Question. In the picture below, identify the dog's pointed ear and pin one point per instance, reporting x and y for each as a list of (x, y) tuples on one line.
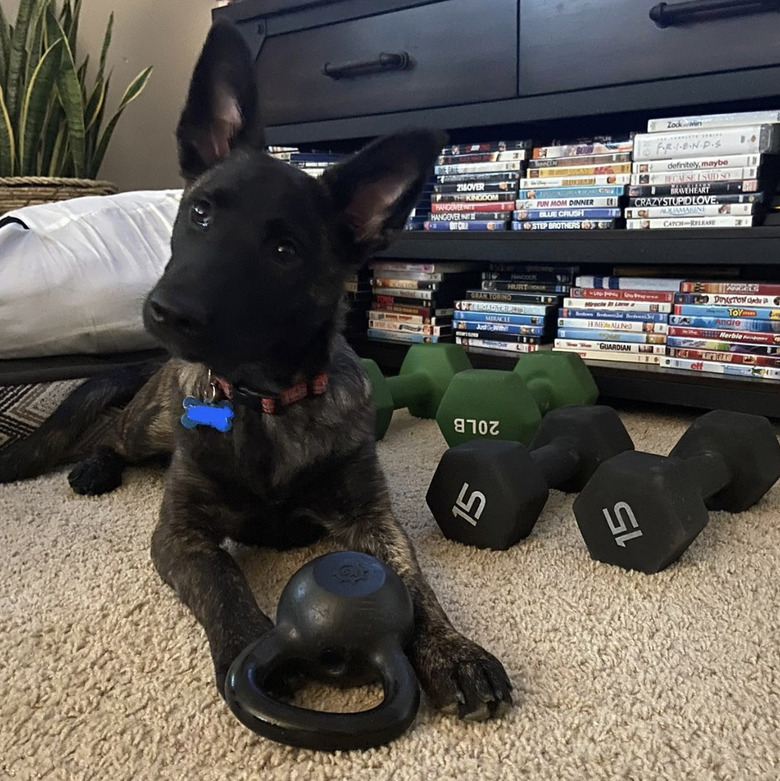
[(376, 189), (221, 109)]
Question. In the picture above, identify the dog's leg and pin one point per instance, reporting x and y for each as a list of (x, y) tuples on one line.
[(144, 429), (186, 553), (456, 673)]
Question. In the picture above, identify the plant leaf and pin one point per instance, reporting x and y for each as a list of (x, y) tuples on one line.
[(106, 44), (17, 62), (34, 106), (72, 101), (7, 145), (5, 47), (134, 89)]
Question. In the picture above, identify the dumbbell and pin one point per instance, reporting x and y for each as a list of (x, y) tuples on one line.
[(641, 511), (489, 493), (497, 404), (425, 373)]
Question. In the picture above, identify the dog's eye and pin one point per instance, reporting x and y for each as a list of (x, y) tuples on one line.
[(286, 250), (200, 214)]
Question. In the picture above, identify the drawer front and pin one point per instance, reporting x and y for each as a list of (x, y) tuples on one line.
[(456, 54), (573, 44)]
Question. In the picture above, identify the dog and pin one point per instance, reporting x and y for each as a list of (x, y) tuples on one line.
[(250, 309)]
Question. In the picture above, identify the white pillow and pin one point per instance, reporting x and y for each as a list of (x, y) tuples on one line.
[(74, 274)]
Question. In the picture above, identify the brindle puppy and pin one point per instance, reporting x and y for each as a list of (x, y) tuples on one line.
[(253, 293)]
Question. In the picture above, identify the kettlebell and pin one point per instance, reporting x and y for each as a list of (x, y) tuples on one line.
[(343, 619)]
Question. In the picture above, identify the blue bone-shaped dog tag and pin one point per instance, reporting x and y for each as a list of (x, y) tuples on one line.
[(198, 413)]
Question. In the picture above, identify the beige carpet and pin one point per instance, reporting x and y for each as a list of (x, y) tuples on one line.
[(104, 675)]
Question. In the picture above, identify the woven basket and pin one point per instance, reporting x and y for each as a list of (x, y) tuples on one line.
[(18, 191)]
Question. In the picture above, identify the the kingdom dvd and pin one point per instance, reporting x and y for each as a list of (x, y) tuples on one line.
[(698, 200), (476, 187), (700, 188), (589, 191), (696, 164), (713, 367), (710, 210), (683, 177), (566, 214), (509, 197), (572, 162), (601, 180), (751, 139), (745, 337), (582, 170), (474, 225), (562, 225), (575, 150), (751, 324), (568, 203), (613, 314)]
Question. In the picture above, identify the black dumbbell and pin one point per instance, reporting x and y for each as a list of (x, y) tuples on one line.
[(641, 511), (344, 619), (489, 493)]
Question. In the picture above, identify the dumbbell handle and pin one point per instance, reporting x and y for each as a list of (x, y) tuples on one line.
[(709, 472), (540, 390), (406, 388), (557, 461)]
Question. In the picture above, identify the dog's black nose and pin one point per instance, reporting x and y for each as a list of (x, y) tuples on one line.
[(175, 314)]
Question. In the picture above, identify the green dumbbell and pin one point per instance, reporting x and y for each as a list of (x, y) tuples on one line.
[(424, 376), (496, 404)]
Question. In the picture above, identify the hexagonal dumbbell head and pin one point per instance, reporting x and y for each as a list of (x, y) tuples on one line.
[(487, 404), (746, 443), (425, 375), (483, 494), (640, 511), (556, 379), (579, 438)]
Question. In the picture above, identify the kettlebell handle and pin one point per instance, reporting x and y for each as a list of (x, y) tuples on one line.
[(295, 726)]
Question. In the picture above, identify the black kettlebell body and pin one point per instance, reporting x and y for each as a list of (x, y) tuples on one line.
[(343, 619)]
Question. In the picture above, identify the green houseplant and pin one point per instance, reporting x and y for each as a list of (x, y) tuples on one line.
[(52, 133)]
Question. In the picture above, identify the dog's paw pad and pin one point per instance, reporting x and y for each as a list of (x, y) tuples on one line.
[(471, 683), (98, 474)]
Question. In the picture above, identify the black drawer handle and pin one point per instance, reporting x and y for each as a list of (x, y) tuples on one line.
[(384, 62), (666, 15)]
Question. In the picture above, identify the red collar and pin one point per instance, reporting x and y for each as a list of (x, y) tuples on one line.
[(271, 405)]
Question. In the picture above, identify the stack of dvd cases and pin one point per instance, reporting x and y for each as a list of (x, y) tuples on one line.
[(617, 318), (708, 171), (475, 186), (413, 302), (358, 296), (726, 327), (577, 186), (513, 311), (313, 163)]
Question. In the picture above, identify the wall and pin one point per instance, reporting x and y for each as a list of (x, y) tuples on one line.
[(167, 34)]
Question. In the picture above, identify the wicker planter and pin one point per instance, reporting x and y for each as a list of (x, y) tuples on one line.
[(18, 191)]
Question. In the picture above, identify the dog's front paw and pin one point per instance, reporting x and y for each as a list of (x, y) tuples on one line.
[(461, 677), (98, 474)]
